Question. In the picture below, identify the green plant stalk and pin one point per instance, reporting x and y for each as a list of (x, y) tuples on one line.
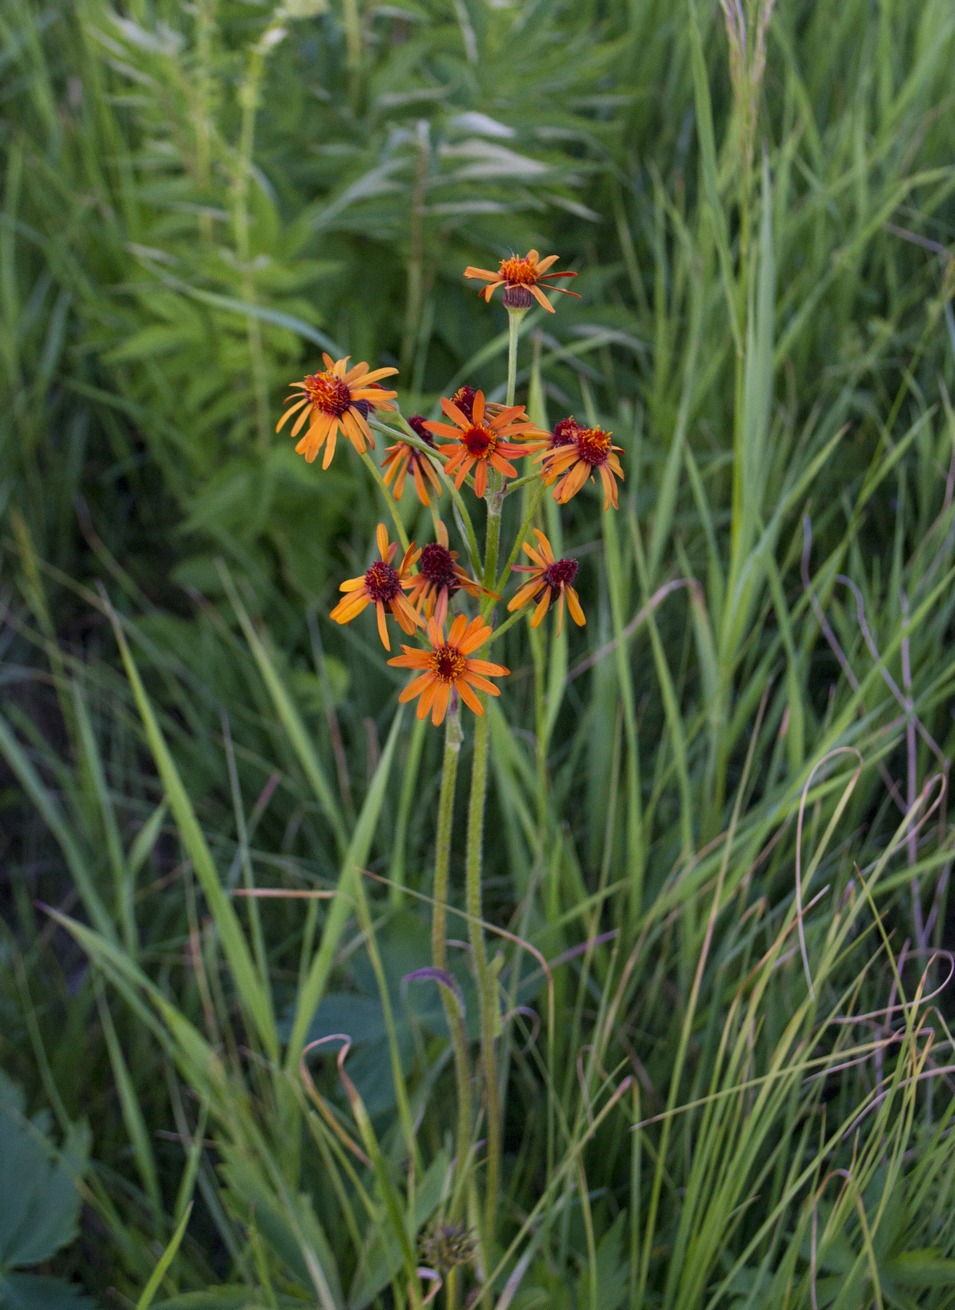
[(389, 500), (249, 98), (353, 50), (453, 737), (495, 480), (533, 502), (487, 985), (514, 318)]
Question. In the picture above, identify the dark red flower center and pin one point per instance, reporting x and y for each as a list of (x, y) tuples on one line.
[(417, 425), (593, 445), (437, 565), (564, 432), (464, 399), (560, 574), (479, 442), (448, 663), (328, 392), (382, 582)]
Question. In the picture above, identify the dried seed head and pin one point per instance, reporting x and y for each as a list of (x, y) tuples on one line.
[(448, 1246)]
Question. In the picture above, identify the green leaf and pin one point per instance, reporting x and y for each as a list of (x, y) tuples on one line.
[(607, 1284), (39, 1199), (31, 1292)]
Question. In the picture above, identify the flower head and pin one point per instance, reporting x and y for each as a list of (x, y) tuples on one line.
[(337, 399), (439, 576), (383, 586), (521, 274), (479, 439), (551, 580), (564, 431), (448, 666), (464, 399), (589, 451), (402, 458), (447, 1246)]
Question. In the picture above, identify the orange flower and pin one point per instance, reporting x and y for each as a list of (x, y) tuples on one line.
[(402, 458), (381, 585), (337, 399), (521, 274), (551, 579), (439, 577), (479, 439), (448, 667), (589, 451)]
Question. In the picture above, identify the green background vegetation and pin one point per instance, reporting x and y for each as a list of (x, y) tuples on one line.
[(196, 200)]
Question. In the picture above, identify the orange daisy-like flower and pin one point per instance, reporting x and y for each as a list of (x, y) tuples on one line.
[(402, 458), (381, 586), (439, 576), (588, 451), (480, 439), (337, 399), (521, 277), (551, 580), (448, 666)]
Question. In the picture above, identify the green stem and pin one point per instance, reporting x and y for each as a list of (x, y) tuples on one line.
[(533, 501), (503, 626), (453, 736), (487, 985), (514, 317), (249, 98), (486, 980), (353, 51), (494, 497), (389, 500)]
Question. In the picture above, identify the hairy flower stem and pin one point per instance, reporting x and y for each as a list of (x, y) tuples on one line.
[(487, 983), (453, 736), (486, 979), (514, 317)]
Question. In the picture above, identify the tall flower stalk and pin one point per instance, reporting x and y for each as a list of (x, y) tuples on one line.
[(428, 594)]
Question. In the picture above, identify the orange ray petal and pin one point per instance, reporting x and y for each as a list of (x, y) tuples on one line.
[(330, 444), (573, 604), (543, 605), (482, 684), (441, 698), (469, 697), (485, 666), (457, 415), (382, 625)]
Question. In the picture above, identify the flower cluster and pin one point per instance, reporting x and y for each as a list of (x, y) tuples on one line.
[(473, 446)]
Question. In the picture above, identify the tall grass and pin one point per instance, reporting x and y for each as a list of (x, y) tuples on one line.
[(717, 846)]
